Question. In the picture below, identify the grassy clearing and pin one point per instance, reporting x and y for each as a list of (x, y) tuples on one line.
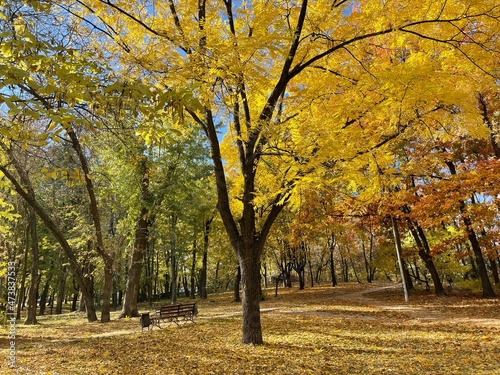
[(317, 331)]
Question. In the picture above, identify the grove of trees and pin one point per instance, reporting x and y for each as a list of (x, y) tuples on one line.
[(157, 149)]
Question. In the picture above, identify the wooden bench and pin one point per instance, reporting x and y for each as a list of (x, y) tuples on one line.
[(174, 314)]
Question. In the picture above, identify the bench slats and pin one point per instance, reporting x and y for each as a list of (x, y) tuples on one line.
[(175, 314)]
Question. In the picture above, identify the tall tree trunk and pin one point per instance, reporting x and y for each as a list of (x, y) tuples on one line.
[(203, 273), (185, 284), (203, 276), (250, 280), (331, 246), (345, 267), (311, 273), (485, 111), (149, 270), (82, 304), (108, 259), (28, 194), (24, 272), (354, 270), (89, 280), (129, 308), (217, 281), (60, 289), (76, 293), (367, 260), (45, 290), (193, 272), (173, 258), (75, 300), (407, 276), (494, 270), (246, 241), (488, 291), (474, 273), (31, 318)]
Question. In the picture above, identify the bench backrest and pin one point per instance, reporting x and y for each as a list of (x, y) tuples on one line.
[(173, 310)]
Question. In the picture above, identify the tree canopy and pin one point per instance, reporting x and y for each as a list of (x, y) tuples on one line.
[(328, 109)]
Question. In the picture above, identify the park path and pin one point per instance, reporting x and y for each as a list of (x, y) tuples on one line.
[(415, 314), (407, 312)]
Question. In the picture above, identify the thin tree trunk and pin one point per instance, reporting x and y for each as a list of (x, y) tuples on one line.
[(45, 291), (488, 291), (494, 270), (353, 268), (203, 273), (22, 287), (173, 259), (311, 275), (331, 246), (345, 267), (217, 281), (402, 267), (193, 272), (424, 254), (76, 293), (60, 289), (28, 195), (185, 284)]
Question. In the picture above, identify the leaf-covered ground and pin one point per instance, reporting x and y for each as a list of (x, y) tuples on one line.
[(321, 330)]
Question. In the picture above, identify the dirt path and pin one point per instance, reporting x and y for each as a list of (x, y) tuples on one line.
[(414, 314)]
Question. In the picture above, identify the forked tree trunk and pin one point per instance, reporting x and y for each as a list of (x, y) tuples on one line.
[(107, 258), (424, 254)]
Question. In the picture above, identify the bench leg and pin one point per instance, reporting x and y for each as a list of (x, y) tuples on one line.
[(156, 322)]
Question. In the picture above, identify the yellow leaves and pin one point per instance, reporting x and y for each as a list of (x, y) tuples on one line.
[(6, 50), (319, 330), (72, 176)]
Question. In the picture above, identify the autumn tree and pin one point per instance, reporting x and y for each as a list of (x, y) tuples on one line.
[(270, 71)]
